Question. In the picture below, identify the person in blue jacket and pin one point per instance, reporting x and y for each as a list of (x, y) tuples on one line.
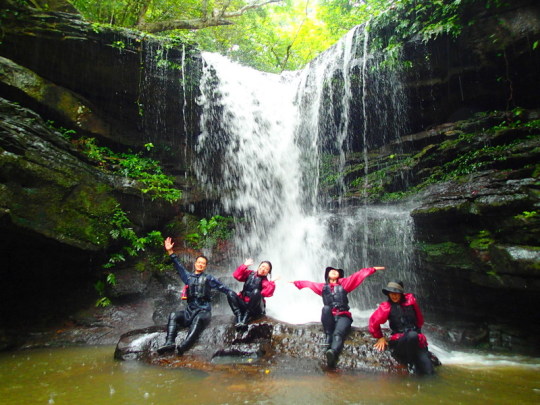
[(198, 312)]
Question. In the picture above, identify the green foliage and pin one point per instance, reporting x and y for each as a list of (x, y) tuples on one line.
[(131, 245), (210, 232), (118, 44), (525, 215), (481, 241), (289, 34), (133, 165)]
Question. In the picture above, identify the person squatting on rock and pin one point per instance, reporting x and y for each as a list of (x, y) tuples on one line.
[(197, 314), (335, 317), (249, 303), (407, 343)]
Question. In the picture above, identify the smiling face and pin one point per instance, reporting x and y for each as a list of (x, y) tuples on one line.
[(333, 275), (264, 269), (200, 264), (394, 297)]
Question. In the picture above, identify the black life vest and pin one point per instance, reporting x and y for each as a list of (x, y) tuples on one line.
[(402, 318), (252, 283), (198, 288), (336, 298)]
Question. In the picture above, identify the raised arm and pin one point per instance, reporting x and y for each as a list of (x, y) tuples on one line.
[(182, 272)]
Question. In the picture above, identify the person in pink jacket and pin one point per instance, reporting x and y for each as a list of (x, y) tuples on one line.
[(249, 303), (336, 317), (407, 343)]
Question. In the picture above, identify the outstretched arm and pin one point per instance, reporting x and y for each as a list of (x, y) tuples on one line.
[(355, 279), (315, 287)]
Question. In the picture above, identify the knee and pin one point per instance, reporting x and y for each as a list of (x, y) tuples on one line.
[(327, 310), (173, 316), (204, 317)]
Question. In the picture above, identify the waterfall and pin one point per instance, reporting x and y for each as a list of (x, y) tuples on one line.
[(264, 139)]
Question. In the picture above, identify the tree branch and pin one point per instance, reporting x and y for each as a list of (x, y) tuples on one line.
[(218, 18), (192, 24)]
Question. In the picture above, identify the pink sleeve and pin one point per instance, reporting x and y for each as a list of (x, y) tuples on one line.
[(354, 280), (242, 272), (268, 288), (378, 317), (315, 287)]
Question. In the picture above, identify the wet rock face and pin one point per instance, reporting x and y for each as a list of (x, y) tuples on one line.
[(114, 84), (266, 344), (486, 68)]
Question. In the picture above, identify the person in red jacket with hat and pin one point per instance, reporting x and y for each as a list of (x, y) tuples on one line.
[(407, 343), (336, 317)]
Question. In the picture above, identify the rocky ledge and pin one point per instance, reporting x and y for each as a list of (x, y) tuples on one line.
[(267, 345)]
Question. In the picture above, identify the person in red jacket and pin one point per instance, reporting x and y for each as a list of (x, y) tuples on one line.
[(249, 303), (336, 317), (407, 343)]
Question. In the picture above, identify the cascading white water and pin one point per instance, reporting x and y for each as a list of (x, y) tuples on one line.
[(262, 141)]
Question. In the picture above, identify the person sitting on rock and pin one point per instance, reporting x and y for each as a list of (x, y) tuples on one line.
[(197, 314), (407, 344), (335, 317), (249, 303)]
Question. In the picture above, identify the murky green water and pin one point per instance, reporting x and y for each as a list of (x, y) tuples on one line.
[(89, 375)]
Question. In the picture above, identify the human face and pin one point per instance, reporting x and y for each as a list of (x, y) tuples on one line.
[(200, 265), (263, 270), (333, 275), (394, 297)]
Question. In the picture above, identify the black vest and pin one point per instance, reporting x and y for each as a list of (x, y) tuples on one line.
[(198, 288), (402, 318), (252, 283), (335, 299)]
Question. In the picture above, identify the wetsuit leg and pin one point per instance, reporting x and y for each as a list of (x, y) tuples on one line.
[(408, 351), (424, 365), (343, 327), (237, 307), (175, 319), (255, 306), (329, 324), (200, 321)]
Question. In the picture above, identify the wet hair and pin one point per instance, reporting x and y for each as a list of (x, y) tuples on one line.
[(268, 263), (203, 256)]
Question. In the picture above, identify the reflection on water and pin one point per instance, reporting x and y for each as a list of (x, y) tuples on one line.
[(89, 375)]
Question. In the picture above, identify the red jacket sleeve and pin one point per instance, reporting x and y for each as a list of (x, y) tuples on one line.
[(315, 287), (242, 273), (355, 279), (379, 317), (268, 288)]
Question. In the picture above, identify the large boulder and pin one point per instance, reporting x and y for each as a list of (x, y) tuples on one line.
[(266, 345)]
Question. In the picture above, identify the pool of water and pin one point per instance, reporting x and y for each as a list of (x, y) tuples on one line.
[(90, 375)]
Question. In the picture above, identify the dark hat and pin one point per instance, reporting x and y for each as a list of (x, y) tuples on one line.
[(340, 271), (394, 287)]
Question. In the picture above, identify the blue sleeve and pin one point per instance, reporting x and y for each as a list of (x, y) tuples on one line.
[(182, 272), (215, 284)]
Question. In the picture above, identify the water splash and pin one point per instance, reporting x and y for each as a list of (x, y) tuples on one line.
[(263, 142)]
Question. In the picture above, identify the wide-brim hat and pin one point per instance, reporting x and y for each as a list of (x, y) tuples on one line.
[(340, 271), (394, 287)]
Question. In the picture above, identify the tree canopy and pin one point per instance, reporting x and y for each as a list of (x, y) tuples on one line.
[(270, 35)]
